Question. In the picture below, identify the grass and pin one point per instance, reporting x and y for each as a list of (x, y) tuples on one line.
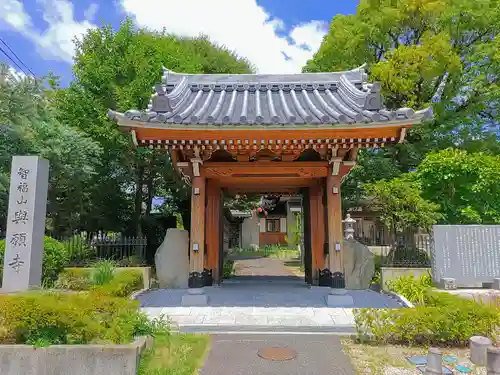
[(377, 359), (278, 253), (175, 354)]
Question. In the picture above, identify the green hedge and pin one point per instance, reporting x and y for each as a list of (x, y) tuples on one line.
[(445, 319), (55, 257), (42, 319), (123, 283)]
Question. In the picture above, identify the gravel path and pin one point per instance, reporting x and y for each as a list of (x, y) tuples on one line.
[(262, 267), (236, 354)]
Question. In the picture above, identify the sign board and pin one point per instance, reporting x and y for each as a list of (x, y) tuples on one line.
[(25, 223), (468, 253)]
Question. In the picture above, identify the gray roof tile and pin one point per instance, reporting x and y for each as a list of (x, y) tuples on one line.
[(246, 99)]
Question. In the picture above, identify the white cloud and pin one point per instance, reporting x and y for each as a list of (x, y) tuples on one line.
[(56, 40), (242, 26), (91, 11)]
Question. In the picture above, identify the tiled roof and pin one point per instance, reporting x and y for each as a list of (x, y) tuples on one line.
[(246, 99)]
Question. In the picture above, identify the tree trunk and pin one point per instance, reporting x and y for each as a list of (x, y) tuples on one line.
[(138, 200)]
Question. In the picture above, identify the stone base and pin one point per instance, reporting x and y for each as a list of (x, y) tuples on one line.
[(448, 283), (496, 284), (194, 297), (478, 347), (339, 298)]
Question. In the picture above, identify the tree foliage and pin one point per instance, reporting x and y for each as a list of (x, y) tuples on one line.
[(465, 185), (400, 204), (29, 127), (116, 69), (439, 53)]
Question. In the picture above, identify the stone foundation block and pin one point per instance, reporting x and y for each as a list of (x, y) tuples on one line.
[(339, 298), (496, 283), (72, 359), (448, 283), (478, 346), (194, 297), (493, 361), (434, 362)]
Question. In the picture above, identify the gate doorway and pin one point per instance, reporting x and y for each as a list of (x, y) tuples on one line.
[(263, 238)]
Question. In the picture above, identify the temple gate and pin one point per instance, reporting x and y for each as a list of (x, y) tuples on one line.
[(285, 134)]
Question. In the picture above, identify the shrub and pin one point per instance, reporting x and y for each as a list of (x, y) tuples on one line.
[(122, 284), (227, 269), (445, 319), (69, 318), (411, 288), (55, 258), (103, 272), (74, 279)]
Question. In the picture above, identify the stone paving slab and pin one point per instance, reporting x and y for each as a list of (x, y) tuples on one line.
[(274, 306), (235, 316), (237, 355), (248, 295)]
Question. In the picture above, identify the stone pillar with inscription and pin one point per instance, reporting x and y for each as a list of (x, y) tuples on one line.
[(25, 223)]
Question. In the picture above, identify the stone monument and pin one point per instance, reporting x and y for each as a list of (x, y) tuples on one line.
[(359, 265), (172, 260), (22, 267)]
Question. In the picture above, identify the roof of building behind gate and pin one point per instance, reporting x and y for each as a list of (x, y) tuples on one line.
[(269, 99)]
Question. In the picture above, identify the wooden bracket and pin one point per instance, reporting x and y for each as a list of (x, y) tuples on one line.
[(336, 165), (402, 135), (196, 166)]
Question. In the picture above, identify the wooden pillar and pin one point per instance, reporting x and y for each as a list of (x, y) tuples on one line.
[(317, 227), (197, 234), (335, 237), (212, 226)]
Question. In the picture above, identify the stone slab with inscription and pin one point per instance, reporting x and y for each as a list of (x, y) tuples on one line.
[(470, 254), (25, 223)]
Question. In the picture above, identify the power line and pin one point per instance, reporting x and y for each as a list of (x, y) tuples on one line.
[(17, 57), (15, 63)]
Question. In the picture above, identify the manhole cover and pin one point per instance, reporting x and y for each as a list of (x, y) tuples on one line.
[(277, 354)]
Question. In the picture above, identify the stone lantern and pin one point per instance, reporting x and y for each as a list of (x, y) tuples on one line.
[(349, 227)]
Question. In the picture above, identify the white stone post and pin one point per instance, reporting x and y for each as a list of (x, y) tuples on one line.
[(478, 346), (493, 361), (434, 364), (23, 257), (349, 227)]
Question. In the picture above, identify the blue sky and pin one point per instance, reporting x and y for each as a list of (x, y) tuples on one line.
[(276, 35)]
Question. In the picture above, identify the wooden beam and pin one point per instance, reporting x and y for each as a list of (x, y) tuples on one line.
[(264, 182), (351, 132), (317, 225), (197, 238), (212, 225), (263, 189), (265, 169), (334, 215)]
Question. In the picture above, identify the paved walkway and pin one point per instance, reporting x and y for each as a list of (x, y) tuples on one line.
[(260, 266), (237, 354), (256, 303)]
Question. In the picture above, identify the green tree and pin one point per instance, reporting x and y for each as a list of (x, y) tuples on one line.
[(116, 69), (416, 49), (465, 185), (29, 127), (401, 206)]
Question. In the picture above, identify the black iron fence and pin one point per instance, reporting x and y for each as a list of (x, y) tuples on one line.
[(126, 251), (403, 250)]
